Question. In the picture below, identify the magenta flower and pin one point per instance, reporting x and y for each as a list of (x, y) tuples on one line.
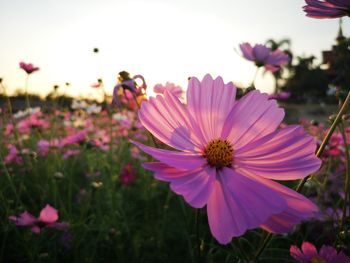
[(176, 90), (127, 175), (327, 8), (263, 56), (48, 218), (13, 155), (29, 68), (226, 152), (309, 254)]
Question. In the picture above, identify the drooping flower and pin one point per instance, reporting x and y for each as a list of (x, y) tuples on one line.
[(48, 218), (171, 87), (226, 152), (309, 254), (261, 55), (28, 67), (128, 85), (327, 8)]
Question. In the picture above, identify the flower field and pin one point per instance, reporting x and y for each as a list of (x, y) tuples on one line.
[(206, 173)]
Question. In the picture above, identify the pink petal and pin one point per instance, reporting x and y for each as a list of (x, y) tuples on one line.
[(285, 154), (48, 214), (296, 253), (328, 253), (298, 208), (179, 160), (238, 203), (209, 103), (168, 119), (24, 219), (260, 53), (309, 249), (251, 118), (247, 51), (194, 185)]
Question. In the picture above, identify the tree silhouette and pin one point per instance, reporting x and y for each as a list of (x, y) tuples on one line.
[(285, 46)]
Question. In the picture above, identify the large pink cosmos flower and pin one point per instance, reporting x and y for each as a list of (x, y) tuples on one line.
[(327, 8), (48, 218), (263, 56), (308, 253), (226, 152)]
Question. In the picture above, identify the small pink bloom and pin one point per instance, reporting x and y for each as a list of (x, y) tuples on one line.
[(48, 218), (263, 56), (13, 155), (29, 68), (327, 8), (308, 253), (74, 138), (227, 153)]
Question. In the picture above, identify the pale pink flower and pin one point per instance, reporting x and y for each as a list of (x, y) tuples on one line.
[(225, 154), (48, 218)]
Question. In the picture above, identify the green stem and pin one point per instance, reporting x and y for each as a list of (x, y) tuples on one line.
[(196, 223), (324, 143), (319, 152), (347, 173), (262, 247), (26, 92), (254, 78)]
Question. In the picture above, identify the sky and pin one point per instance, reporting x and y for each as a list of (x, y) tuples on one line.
[(164, 40)]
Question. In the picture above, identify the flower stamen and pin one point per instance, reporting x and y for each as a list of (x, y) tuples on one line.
[(219, 153)]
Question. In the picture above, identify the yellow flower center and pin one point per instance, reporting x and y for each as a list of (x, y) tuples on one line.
[(219, 153), (318, 259)]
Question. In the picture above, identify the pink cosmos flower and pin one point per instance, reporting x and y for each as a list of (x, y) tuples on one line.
[(263, 56), (176, 90), (327, 8), (48, 218), (13, 155), (309, 254), (29, 68), (73, 138), (32, 121), (225, 154)]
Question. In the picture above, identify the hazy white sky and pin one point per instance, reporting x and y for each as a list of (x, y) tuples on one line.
[(163, 40)]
